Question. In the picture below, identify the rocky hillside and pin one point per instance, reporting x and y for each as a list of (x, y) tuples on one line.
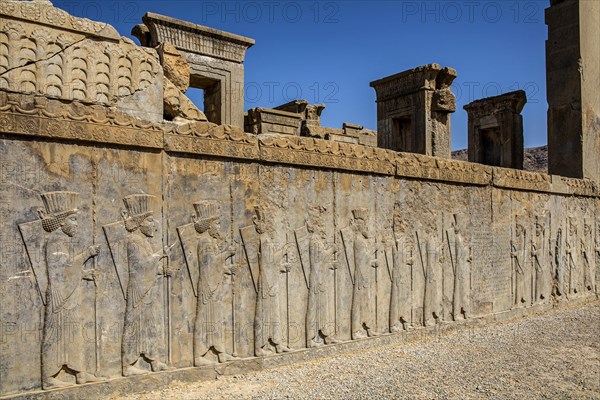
[(536, 158)]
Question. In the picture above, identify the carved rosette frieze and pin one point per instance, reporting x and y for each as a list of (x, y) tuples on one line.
[(517, 179), (42, 117), (326, 154), (419, 166), (210, 139), (573, 186)]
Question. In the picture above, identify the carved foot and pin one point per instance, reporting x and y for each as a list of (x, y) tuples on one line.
[(359, 335), (313, 343), (86, 377), (130, 370), (160, 366), (331, 340), (262, 352), (282, 349), (52, 383), (224, 357), (199, 361), (396, 328)]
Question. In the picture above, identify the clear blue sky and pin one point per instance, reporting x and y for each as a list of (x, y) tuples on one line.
[(329, 51)]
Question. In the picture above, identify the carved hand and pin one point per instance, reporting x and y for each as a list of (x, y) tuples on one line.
[(168, 272), (93, 251), (91, 274), (287, 267), (231, 269)]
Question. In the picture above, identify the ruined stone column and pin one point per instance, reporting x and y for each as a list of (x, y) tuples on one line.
[(573, 79), (496, 130), (413, 110)]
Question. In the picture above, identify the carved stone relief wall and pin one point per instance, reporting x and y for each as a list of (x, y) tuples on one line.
[(183, 259), (132, 246)]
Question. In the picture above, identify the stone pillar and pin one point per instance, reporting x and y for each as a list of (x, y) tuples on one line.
[(496, 130), (573, 82), (216, 60), (413, 110)]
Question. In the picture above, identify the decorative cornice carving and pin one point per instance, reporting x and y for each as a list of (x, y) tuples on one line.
[(44, 13), (38, 116), (189, 37), (43, 117), (210, 139), (326, 154), (419, 166), (518, 179)]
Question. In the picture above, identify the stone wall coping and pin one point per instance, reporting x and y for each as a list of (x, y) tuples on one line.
[(43, 117)]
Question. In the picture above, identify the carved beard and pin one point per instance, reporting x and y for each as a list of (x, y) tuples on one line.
[(69, 230), (147, 230), (214, 233)]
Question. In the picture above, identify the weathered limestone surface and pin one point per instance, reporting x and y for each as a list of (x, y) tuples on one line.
[(572, 77), (136, 246), (496, 130), (414, 199)]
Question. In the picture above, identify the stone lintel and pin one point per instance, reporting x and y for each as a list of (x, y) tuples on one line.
[(294, 106), (512, 102), (421, 78), (193, 38)]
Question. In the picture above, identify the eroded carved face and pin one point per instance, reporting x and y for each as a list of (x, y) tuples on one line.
[(363, 228), (572, 229), (456, 227), (70, 226), (519, 229), (148, 226), (214, 230), (263, 226), (539, 230)]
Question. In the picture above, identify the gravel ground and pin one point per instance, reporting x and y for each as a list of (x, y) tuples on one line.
[(551, 356)]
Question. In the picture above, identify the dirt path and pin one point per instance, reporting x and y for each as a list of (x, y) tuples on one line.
[(552, 356)]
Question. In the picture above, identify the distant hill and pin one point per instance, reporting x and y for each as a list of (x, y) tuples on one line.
[(536, 158)]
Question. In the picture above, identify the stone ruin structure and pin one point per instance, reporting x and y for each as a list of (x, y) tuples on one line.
[(146, 241)]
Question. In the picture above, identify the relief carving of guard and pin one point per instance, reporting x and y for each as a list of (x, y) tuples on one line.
[(266, 261), (212, 272), (140, 272), (399, 255), (59, 278), (362, 261), (461, 260), (318, 266)]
